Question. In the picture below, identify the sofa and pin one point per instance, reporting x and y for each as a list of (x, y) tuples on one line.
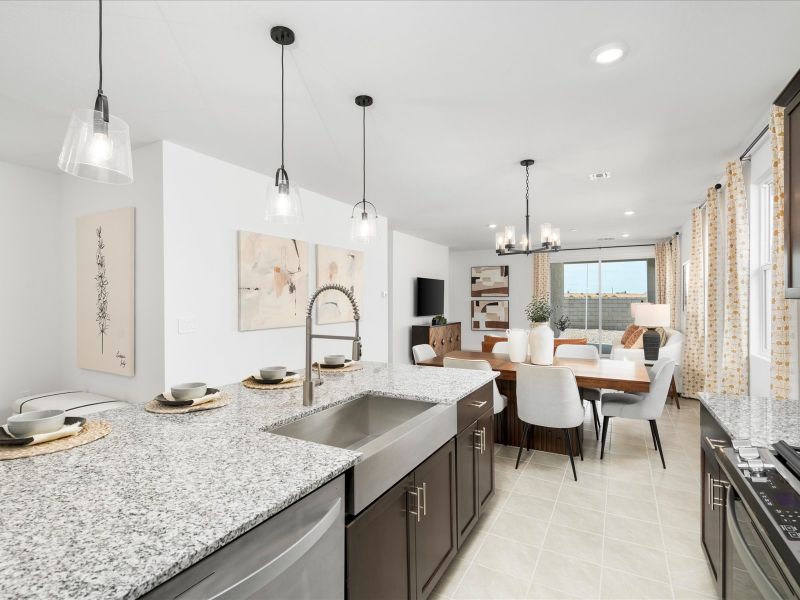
[(673, 348)]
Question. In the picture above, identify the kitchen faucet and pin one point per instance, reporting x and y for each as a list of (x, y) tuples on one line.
[(309, 384)]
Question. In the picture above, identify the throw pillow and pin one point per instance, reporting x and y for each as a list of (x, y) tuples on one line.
[(635, 339), (628, 333), (662, 334)]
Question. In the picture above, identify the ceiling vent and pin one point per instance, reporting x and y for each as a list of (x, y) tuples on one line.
[(600, 175), (605, 239)]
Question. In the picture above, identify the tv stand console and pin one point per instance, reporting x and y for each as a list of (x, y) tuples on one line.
[(442, 338)]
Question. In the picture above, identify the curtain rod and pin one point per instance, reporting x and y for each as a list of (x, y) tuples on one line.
[(604, 247), (744, 155)]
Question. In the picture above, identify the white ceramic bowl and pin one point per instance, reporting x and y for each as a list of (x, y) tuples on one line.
[(189, 391), (35, 422), (335, 359), (270, 373)]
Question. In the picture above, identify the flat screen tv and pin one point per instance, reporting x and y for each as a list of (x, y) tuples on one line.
[(430, 297)]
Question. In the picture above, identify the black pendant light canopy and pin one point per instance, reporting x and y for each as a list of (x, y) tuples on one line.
[(363, 225), (283, 199), (97, 145), (505, 241)]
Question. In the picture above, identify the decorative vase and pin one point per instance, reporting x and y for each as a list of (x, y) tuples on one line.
[(517, 344), (541, 343)]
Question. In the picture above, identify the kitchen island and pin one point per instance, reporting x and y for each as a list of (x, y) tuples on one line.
[(117, 517)]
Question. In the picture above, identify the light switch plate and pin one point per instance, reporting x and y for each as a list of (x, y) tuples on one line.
[(187, 325)]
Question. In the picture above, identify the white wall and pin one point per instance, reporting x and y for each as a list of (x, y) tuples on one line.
[(206, 201), (520, 282), (78, 198), (30, 306), (413, 257)]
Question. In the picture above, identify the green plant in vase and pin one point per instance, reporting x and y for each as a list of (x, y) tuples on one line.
[(541, 337)]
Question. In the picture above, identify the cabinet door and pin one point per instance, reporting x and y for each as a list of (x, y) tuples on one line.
[(435, 480), (485, 431), (380, 547), (467, 444), (711, 515)]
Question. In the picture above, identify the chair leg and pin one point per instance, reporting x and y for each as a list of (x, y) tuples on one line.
[(595, 419), (579, 433), (653, 433), (521, 443), (603, 437), (654, 427), (569, 451), (673, 392)]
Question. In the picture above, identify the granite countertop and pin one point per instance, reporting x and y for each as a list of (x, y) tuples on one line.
[(762, 420), (117, 517)]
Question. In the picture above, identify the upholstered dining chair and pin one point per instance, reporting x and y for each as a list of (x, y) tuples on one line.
[(422, 352), (500, 401), (501, 348), (591, 395), (548, 397), (647, 407)]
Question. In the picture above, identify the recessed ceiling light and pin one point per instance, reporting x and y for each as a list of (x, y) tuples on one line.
[(629, 213), (600, 175), (573, 230), (626, 235), (492, 225), (608, 53)]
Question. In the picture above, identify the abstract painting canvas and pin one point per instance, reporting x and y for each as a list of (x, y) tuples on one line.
[(105, 291), (490, 281), (273, 281), (489, 314), (345, 267)]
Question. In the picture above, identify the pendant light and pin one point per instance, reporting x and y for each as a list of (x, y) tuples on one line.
[(505, 242), (283, 198), (97, 145), (363, 226)]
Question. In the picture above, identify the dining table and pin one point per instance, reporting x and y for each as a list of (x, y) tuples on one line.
[(602, 373)]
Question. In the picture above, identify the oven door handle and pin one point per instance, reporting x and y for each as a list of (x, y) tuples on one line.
[(758, 576)]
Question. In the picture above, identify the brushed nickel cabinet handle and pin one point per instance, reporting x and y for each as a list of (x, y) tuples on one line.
[(477, 404), (716, 443), (483, 439), (418, 512), (479, 447), (424, 489)]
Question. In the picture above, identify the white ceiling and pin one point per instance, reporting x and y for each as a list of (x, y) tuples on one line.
[(463, 91)]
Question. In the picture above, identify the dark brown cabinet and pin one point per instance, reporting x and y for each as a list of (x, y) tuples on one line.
[(475, 460), (401, 545), (714, 484)]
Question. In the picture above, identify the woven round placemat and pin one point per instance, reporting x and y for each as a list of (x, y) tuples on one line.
[(154, 406), (254, 385), (92, 430), (355, 366)]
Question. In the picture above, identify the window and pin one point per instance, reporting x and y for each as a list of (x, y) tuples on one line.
[(764, 274)]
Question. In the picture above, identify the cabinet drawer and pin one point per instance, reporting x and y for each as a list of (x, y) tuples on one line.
[(712, 435), (471, 407)]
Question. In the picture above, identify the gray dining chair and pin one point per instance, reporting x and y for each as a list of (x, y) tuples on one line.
[(422, 352), (548, 397), (646, 407), (591, 395), (499, 400)]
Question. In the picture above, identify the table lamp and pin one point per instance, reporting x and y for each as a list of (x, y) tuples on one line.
[(651, 316)]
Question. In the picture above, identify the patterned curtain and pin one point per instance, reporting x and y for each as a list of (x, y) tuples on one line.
[(663, 261), (673, 280), (693, 366), (735, 341), (668, 276), (784, 338), (713, 312), (541, 276)]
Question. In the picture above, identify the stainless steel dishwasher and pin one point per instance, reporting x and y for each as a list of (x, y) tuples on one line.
[(296, 554)]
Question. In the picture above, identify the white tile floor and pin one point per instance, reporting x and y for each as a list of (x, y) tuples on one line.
[(626, 529)]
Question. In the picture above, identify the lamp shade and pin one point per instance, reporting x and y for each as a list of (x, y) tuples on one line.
[(635, 306), (652, 315), (96, 150)]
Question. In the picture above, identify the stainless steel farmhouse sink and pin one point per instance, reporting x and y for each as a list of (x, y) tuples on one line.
[(393, 435)]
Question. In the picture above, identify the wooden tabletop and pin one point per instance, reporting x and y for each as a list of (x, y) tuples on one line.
[(622, 375)]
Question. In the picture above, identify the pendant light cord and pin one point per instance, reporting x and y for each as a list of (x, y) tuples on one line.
[(282, 118), (100, 49), (364, 156)]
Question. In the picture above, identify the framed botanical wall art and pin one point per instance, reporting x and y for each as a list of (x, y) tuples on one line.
[(489, 281), (345, 267), (105, 263), (273, 281), (489, 314)]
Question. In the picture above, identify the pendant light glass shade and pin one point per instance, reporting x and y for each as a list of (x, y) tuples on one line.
[(96, 150), (283, 203), (363, 226)]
